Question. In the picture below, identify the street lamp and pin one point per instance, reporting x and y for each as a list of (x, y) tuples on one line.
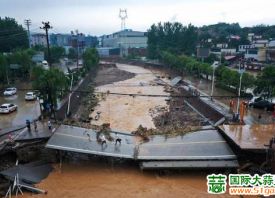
[(241, 71), (214, 66)]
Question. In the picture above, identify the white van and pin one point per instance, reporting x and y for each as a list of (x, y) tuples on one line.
[(45, 64)]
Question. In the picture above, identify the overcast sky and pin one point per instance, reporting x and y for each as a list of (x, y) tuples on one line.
[(97, 17)]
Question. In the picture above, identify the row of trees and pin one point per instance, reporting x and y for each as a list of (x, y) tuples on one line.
[(224, 76), (179, 39), (21, 59), (12, 35), (173, 37)]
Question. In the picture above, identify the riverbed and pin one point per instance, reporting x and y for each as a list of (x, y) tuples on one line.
[(125, 112)]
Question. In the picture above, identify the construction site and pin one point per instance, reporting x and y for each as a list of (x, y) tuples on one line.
[(135, 129)]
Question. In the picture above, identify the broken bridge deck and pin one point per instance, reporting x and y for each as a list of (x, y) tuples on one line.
[(203, 145)]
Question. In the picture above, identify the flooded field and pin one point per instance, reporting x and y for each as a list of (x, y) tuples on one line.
[(126, 113)]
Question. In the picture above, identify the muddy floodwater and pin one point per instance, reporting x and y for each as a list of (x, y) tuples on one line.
[(126, 113), (98, 178), (101, 180)]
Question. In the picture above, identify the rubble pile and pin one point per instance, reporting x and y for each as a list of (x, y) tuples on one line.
[(143, 132)]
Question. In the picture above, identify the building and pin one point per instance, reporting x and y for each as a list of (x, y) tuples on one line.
[(68, 41), (260, 43), (91, 41), (271, 51), (124, 40), (222, 45), (228, 51), (60, 40), (38, 39), (108, 52), (243, 48), (203, 52)]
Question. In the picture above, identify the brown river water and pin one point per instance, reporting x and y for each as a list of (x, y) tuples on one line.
[(101, 180)]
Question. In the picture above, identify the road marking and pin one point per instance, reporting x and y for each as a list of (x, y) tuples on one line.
[(75, 136)]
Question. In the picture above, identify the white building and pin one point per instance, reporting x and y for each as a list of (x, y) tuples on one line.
[(124, 40), (222, 45), (228, 51), (38, 39), (260, 43), (243, 48)]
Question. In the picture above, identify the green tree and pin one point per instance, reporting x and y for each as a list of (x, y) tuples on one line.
[(12, 35), (56, 53), (90, 58), (51, 84), (22, 58), (171, 37), (3, 69), (266, 80)]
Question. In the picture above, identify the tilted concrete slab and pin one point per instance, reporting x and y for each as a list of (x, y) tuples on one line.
[(68, 138), (200, 145)]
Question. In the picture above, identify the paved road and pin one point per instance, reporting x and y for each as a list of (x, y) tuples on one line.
[(26, 110), (252, 114)]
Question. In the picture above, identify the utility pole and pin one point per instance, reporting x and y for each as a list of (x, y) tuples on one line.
[(77, 34), (28, 23), (75, 45), (46, 27)]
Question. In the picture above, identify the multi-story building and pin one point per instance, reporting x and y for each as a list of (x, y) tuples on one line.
[(38, 39), (124, 40), (60, 40), (77, 41)]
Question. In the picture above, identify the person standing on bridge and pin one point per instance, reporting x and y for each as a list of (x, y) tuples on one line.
[(118, 139), (28, 123), (49, 125), (103, 140), (35, 125)]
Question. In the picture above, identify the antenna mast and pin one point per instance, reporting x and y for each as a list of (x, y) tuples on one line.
[(123, 16)]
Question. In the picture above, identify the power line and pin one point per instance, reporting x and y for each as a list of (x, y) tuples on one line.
[(146, 95)]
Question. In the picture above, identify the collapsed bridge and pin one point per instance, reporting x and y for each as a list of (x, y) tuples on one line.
[(204, 148)]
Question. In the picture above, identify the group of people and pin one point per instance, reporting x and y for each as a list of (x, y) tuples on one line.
[(103, 139), (28, 124)]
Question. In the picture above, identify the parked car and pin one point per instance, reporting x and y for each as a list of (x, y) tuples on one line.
[(45, 64), (10, 91), (261, 104), (30, 96), (7, 108)]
